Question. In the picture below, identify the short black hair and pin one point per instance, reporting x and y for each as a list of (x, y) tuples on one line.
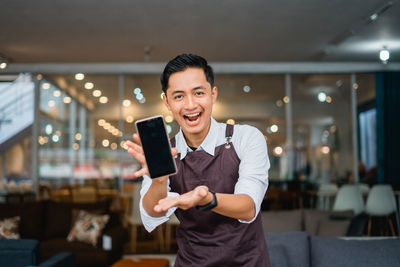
[(182, 62)]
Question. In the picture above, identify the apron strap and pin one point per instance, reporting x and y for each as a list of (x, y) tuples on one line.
[(172, 141), (229, 130)]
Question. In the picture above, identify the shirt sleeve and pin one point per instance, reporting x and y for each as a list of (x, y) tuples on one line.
[(254, 165), (149, 222)]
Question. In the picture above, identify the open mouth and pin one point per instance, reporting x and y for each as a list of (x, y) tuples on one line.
[(192, 117)]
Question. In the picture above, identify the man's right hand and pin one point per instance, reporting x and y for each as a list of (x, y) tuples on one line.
[(136, 150)]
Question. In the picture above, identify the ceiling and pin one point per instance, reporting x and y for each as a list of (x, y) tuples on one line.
[(221, 31), (262, 31)]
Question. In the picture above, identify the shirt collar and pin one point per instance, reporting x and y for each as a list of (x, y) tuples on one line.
[(208, 144)]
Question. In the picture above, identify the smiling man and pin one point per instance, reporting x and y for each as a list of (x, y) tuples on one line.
[(222, 175)]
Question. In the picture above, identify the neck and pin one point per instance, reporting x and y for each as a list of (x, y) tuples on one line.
[(195, 140)]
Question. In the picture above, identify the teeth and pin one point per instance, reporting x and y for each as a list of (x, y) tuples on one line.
[(193, 115)]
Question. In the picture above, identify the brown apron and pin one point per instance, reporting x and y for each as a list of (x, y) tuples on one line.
[(206, 238)]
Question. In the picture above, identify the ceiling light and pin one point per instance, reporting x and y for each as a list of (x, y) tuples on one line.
[(278, 151), (56, 93), (169, 118), (279, 103), (286, 99), (374, 17), (78, 136), (48, 129), (75, 146), (142, 101), (105, 143), (230, 121), (129, 119), (126, 103), (274, 128), (384, 55), (67, 99), (321, 96), (3, 62), (328, 99), (79, 76), (46, 86), (325, 150), (51, 103), (103, 100), (246, 88), (96, 93), (89, 85), (3, 65), (101, 122), (139, 96), (137, 91), (114, 146), (55, 138)]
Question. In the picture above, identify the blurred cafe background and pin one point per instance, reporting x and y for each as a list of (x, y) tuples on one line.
[(320, 79)]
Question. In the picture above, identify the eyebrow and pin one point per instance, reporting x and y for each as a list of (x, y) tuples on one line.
[(193, 89)]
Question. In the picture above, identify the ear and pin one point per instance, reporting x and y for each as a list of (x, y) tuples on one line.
[(214, 93), (165, 100)]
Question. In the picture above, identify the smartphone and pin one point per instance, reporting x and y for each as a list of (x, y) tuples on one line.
[(157, 149)]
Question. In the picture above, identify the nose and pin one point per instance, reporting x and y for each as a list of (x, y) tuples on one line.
[(190, 102)]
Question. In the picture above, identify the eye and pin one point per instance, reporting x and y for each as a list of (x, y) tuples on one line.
[(177, 97), (199, 93)]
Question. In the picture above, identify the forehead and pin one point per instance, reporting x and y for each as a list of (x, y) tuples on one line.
[(188, 79)]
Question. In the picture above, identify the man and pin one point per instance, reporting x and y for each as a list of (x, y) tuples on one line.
[(222, 175)]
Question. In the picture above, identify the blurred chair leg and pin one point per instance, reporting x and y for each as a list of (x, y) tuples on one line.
[(391, 227), (160, 238), (133, 238), (369, 227), (168, 236)]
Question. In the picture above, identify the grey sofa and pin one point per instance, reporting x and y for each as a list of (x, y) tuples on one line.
[(300, 249), (25, 252)]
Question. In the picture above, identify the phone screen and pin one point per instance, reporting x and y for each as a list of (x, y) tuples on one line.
[(156, 147)]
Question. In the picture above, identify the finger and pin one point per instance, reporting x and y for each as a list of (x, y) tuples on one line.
[(174, 151), (136, 138), (141, 172), (165, 204), (138, 156)]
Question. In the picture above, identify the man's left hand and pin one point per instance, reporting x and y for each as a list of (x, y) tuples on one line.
[(198, 196)]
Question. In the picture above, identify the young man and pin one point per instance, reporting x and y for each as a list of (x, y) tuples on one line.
[(222, 175)]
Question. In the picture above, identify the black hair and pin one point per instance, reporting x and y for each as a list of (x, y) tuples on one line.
[(182, 62)]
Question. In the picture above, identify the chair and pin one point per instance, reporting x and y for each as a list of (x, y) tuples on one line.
[(349, 198), (84, 194), (381, 202), (173, 221), (325, 193), (364, 188), (135, 221)]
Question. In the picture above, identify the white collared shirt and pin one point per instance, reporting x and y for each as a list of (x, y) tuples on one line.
[(251, 148)]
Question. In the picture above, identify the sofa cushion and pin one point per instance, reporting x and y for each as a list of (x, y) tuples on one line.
[(31, 214), (16, 253), (333, 228), (58, 219), (288, 249), (9, 228), (281, 221), (327, 251), (88, 227), (85, 254), (314, 218)]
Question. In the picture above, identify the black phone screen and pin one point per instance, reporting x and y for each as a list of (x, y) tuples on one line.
[(156, 147)]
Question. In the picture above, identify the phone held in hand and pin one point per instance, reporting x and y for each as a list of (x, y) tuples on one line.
[(157, 149)]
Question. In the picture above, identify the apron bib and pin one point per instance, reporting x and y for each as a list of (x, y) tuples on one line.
[(206, 238)]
